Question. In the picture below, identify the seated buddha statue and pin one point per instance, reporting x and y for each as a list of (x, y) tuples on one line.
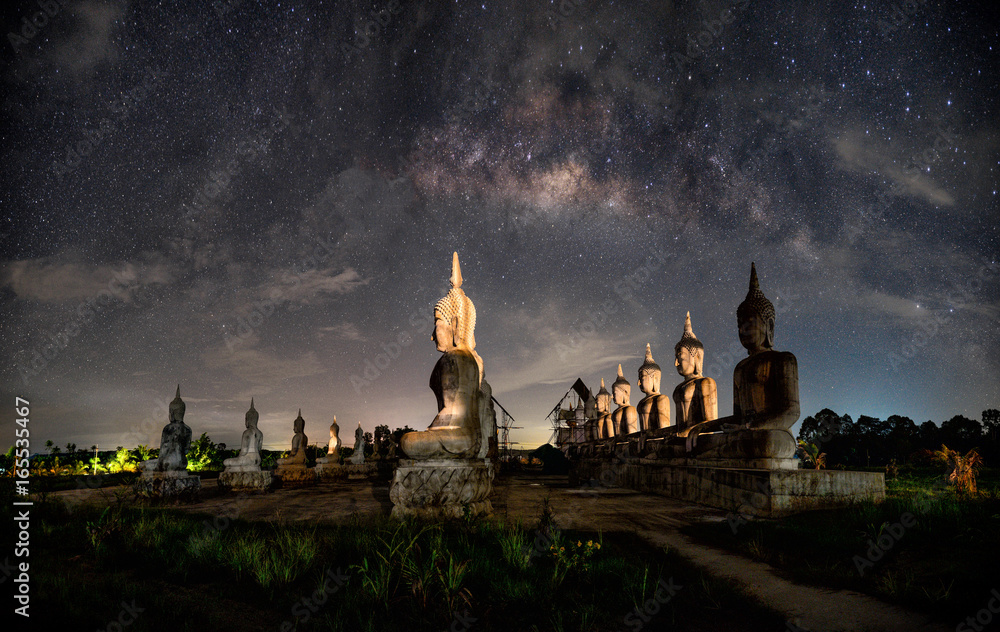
[(333, 449), (248, 459), (765, 392), (174, 441), (625, 419), (605, 427), (297, 455), (654, 409), (455, 432), (358, 456), (697, 397)]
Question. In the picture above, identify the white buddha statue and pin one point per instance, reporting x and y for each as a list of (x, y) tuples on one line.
[(248, 459)]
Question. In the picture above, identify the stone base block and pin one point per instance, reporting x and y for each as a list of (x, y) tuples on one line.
[(360, 471), (246, 481), (739, 464), (441, 489), (750, 492), (295, 476), (166, 484), (330, 471)]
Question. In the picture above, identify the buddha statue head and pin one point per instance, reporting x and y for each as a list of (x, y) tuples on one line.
[(334, 428), (621, 388), (252, 416), (177, 407), (649, 374), (299, 424), (689, 353), (603, 399), (755, 317), (455, 318)]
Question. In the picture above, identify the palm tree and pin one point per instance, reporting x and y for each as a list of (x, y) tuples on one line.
[(810, 452), (961, 470)]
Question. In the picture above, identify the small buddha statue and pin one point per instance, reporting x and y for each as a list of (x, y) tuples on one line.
[(248, 459), (358, 457), (605, 427), (174, 441), (297, 455), (625, 419), (697, 397), (333, 450), (455, 432), (654, 409), (765, 392)]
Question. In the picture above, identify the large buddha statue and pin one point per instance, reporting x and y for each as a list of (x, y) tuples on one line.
[(333, 450), (248, 459), (697, 397), (455, 432), (605, 427), (625, 419), (174, 441), (654, 409), (765, 392), (297, 455)]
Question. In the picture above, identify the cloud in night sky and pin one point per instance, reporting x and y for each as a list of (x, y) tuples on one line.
[(269, 202)]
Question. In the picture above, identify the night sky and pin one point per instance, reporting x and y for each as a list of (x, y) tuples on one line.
[(262, 198)]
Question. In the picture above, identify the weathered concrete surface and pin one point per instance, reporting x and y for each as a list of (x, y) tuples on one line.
[(751, 492), (295, 476), (441, 488), (259, 481), (655, 518), (168, 483)]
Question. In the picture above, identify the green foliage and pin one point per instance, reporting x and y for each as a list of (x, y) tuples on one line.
[(514, 544), (204, 454), (811, 455), (123, 461), (941, 564), (400, 576), (961, 469)]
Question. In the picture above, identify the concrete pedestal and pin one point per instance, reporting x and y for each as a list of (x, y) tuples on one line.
[(170, 483), (330, 471), (747, 491), (441, 489), (295, 476), (246, 480)]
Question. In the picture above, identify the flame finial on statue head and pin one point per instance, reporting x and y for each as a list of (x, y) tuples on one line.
[(621, 381), (649, 366), (456, 271), (177, 406), (755, 302), (688, 339)]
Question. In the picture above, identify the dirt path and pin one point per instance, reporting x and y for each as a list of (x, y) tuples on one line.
[(654, 518)]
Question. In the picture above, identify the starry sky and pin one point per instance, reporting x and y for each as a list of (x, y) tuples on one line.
[(261, 199)]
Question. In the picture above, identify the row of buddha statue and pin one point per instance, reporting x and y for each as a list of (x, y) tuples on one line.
[(175, 441), (765, 396), (695, 398)]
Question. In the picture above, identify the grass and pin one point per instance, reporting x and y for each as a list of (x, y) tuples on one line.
[(944, 564), (87, 565)]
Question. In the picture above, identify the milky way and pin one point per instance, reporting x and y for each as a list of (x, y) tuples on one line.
[(261, 199)]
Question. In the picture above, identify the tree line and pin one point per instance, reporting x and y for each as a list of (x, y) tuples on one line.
[(870, 441)]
